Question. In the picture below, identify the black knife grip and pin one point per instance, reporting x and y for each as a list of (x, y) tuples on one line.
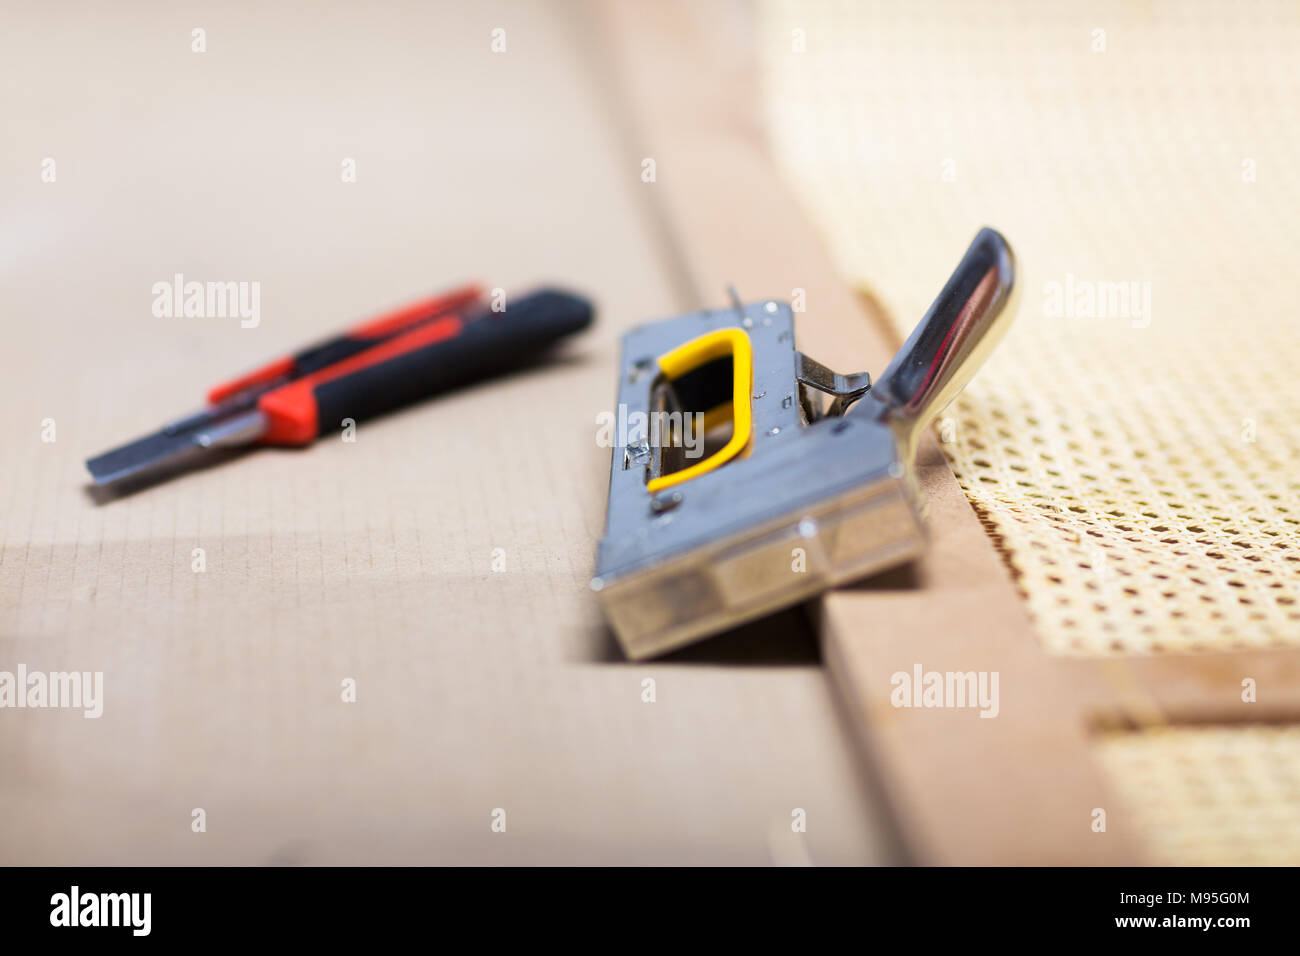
[(488, 345)]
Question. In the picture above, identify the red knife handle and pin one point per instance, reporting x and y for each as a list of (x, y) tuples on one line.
[(443, 354), (355, 340)]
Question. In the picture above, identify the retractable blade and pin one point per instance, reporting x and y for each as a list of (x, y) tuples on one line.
[(176, 445)]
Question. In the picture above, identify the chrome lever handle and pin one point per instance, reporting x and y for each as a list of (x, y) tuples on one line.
[(950, 343)]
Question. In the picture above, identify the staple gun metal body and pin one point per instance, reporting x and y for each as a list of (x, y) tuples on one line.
[(802, 478)]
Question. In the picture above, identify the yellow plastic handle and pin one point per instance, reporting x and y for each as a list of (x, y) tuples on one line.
[(692, 355)]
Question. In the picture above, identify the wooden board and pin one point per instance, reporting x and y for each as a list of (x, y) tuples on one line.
[(1017, 789)]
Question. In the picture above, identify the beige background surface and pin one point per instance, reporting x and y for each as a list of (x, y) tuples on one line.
[(1139, 474), (371, 561), (1139, 471)]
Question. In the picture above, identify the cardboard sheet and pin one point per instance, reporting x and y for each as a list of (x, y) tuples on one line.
[(476, 689)]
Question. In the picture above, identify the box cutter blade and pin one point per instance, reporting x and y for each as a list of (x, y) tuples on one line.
[(427, 347), (734, 493)]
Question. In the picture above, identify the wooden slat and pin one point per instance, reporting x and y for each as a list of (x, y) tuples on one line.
[(1016, 789), (1189, 688)]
